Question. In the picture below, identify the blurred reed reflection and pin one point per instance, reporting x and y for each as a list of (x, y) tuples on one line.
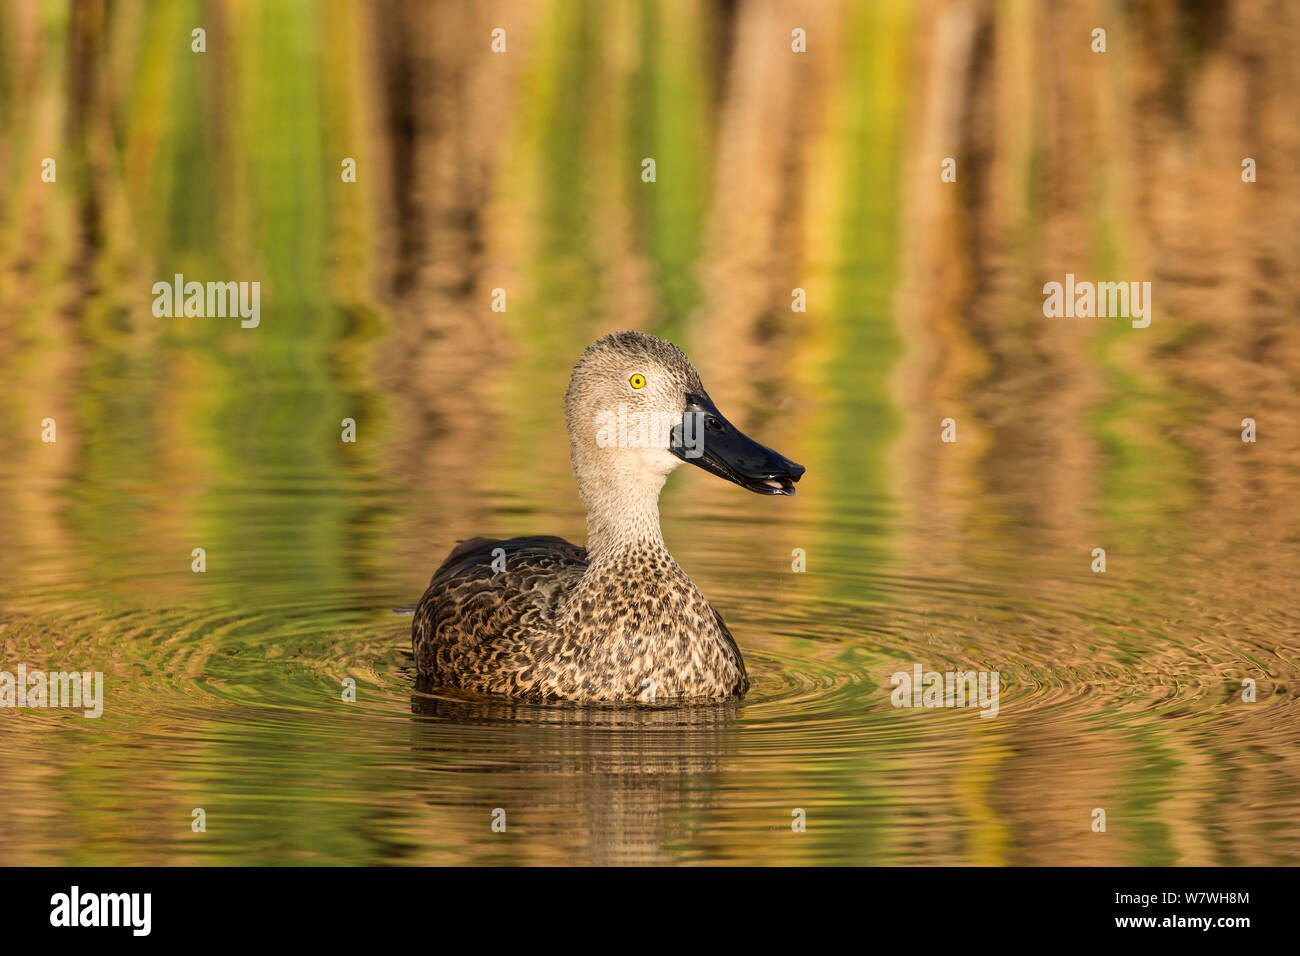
[(776, 171)]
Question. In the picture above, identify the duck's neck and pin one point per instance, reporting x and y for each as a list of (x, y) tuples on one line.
[(622, 515), (630, 575)]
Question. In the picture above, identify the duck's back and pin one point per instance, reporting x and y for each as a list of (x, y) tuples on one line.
[(510, 617), (479, 619)]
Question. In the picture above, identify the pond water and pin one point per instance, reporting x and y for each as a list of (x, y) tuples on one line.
[(1120, 690)]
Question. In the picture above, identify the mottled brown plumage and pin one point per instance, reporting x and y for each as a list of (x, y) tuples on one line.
[(538, 617)]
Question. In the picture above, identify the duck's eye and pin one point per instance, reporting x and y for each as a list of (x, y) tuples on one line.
[(637, 380)]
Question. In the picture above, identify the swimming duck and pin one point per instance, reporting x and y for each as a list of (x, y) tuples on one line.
[(618, 620)]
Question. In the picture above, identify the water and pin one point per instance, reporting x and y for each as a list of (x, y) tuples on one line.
[(223, 689), (223, 692)]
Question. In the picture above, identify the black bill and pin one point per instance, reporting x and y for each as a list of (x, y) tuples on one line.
[(706, 439)]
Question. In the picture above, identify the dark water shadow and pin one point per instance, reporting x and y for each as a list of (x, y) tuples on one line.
[(616, 784)]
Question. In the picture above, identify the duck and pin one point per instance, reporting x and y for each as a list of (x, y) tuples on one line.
[(619, 621)]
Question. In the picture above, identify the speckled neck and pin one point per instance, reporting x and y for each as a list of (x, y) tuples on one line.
[(622, 513)]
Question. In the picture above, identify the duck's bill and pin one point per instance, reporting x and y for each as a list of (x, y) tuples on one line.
[(705, 439)]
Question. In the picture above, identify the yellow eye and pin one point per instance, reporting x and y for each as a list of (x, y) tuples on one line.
[(637, 380)]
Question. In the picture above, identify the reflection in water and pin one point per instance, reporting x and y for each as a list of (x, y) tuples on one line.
[(776, 172), (601, 784)]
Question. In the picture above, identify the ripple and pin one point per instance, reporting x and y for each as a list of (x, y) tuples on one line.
[(241, 706)]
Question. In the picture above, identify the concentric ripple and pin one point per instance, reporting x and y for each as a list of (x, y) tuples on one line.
[(293, 720)]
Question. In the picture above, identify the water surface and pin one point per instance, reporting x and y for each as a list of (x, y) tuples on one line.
[(1121, 690)]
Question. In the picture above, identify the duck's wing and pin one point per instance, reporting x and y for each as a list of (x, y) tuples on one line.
[(512, 553), (725, 631), (483, 598)]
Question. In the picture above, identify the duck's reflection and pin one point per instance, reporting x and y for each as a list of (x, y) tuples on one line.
[(612, 784)]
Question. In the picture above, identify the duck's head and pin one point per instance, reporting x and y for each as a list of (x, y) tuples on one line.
[(636, 409)]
